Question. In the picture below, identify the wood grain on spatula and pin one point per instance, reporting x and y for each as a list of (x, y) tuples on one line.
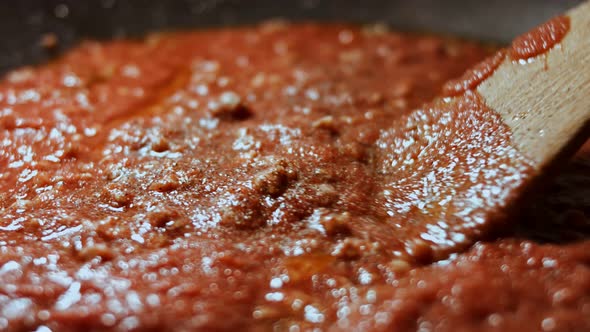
[(540, 87), (545, 100), (455, 170)]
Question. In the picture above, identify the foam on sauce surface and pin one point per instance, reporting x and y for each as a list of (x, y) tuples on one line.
[(274, 177)]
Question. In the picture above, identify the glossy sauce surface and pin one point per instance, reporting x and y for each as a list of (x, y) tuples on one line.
[(471, 79), (540, 39), (274, 178)]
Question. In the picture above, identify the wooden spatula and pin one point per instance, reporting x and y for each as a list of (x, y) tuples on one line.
[(545, 100), (536, 93)]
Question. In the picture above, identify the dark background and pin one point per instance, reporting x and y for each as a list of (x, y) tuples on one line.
[(24, 22)]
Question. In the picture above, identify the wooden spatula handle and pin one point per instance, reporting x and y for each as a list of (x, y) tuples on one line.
[(545, 99)]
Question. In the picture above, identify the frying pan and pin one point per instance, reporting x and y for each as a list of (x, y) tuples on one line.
[(23, 22)]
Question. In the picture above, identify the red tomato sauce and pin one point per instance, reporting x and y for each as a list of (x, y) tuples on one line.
[(540, 39), (276, 178)]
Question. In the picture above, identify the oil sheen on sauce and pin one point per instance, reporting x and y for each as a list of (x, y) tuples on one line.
[(275, 178)]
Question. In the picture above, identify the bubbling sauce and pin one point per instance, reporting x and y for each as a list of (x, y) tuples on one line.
[(275, 178)]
